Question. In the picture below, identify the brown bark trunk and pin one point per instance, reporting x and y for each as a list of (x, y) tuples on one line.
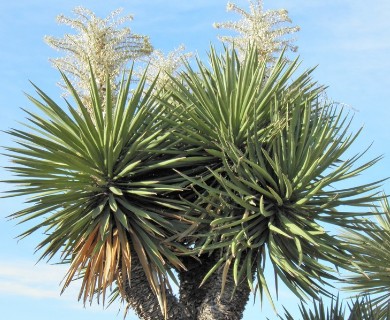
[(143, 301), (196, 303), (191, 295), (206, 302), (229, 305)]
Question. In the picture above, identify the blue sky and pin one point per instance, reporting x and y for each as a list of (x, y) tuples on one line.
[(347, 39)]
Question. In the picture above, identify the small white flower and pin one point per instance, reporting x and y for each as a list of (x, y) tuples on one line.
[(229, 6)]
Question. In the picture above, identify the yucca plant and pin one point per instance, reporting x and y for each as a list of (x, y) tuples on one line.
[(335, 311), (103, 187), (359, 309), (371, 249), (278, 149), (232, 164), (363, 309), (229, 166)]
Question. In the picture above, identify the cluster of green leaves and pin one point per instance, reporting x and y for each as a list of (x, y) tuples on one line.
[(335, 311), (359, 309), (100, 180), (371, 250), (233, 158), (278, 151)]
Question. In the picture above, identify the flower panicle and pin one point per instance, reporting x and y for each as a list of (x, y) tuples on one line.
[(103, 44), (265, 29)]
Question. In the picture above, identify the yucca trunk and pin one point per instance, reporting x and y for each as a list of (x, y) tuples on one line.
[(229, 305), (191, 294), (196, 302), (140, 298)]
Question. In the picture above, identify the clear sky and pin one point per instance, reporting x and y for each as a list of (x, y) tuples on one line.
[(349, 40)]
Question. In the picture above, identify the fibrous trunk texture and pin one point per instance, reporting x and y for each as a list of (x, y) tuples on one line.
[(196, 303), (229, 305), (206, 302), (143, 301), (191, 295)]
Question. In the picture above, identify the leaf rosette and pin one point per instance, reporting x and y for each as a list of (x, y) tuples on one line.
[(102, 180), (278, 148)]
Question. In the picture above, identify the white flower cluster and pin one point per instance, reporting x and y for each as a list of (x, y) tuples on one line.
[(99, 43), (263, 28), (165, 66)]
